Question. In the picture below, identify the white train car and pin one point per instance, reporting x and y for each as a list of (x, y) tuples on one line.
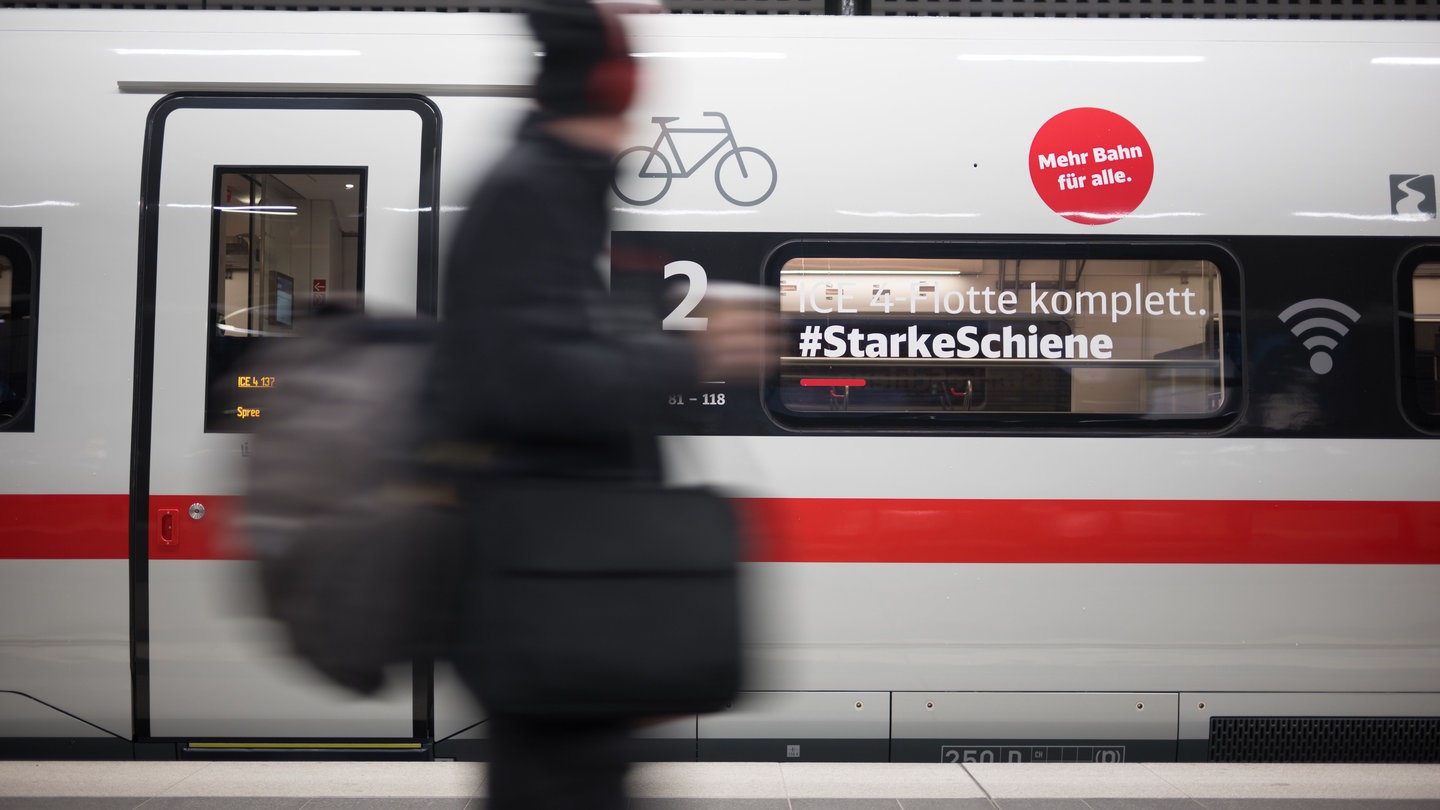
[(1107, 429)]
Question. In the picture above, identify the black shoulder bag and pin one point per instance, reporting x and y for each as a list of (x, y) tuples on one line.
[(602, 598)]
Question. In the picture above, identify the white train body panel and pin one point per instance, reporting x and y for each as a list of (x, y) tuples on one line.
[(889, 131)]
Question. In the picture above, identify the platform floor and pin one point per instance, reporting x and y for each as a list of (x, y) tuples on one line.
[(187, 785)]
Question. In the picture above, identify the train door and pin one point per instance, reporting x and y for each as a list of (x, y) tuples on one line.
[(256, 211)]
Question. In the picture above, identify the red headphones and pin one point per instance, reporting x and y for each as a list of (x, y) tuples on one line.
[(610, 86)]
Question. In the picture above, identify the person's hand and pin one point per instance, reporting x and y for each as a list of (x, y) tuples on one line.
[(738, 343)]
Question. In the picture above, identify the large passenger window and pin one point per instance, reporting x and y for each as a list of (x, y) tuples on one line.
[(287, 244), (1423, 381), (936, 336), (19, 288)]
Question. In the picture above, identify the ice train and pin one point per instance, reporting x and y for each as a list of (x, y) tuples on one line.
[(1106, 429)]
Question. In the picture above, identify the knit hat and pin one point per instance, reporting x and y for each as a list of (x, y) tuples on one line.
[(587, 68)]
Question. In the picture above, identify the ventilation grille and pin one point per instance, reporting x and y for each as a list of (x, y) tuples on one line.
[(1202, 9), (490, 6), (748, 7), (1325, 739)]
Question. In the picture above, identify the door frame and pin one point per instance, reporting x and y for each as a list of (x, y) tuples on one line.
[(142, 415)]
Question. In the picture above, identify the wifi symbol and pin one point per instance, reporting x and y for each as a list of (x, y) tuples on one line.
[(1320, 329)]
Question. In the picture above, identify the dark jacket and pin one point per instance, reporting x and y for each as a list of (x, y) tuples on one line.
[(535, 357)]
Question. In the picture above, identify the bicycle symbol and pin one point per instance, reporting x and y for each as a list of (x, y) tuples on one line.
[(744, 175)]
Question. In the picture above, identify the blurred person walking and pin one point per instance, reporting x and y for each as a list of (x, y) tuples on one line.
[(538, 365)]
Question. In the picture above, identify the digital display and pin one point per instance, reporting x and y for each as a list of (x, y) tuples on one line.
[(284, 299), (255, 384)]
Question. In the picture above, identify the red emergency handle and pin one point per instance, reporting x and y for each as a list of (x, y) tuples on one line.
[(169, 527)]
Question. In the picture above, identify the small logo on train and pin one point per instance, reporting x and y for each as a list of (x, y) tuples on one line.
[(1412, 196), (1091, 166), (744, 175), (1319, 323)]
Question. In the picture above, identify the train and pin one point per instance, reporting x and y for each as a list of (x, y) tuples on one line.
[(1106, 427)]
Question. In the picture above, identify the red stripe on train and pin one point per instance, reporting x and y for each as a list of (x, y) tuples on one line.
[(64, 527), (875, 530), (1096, 531)]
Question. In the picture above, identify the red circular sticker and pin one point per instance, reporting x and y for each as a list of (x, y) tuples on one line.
[(1091, 166)]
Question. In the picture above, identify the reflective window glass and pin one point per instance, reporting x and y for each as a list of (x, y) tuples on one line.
[(19, 285), (288, 243), (1425, 374), (946, 340)]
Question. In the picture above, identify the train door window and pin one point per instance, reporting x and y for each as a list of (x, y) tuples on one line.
[(287, 244), (1423, 380), (936, 337), (19, 286)]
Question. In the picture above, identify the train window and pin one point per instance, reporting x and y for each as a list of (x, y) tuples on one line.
[(287, 243), (19, 285), (922, 336), (1424, 379)]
